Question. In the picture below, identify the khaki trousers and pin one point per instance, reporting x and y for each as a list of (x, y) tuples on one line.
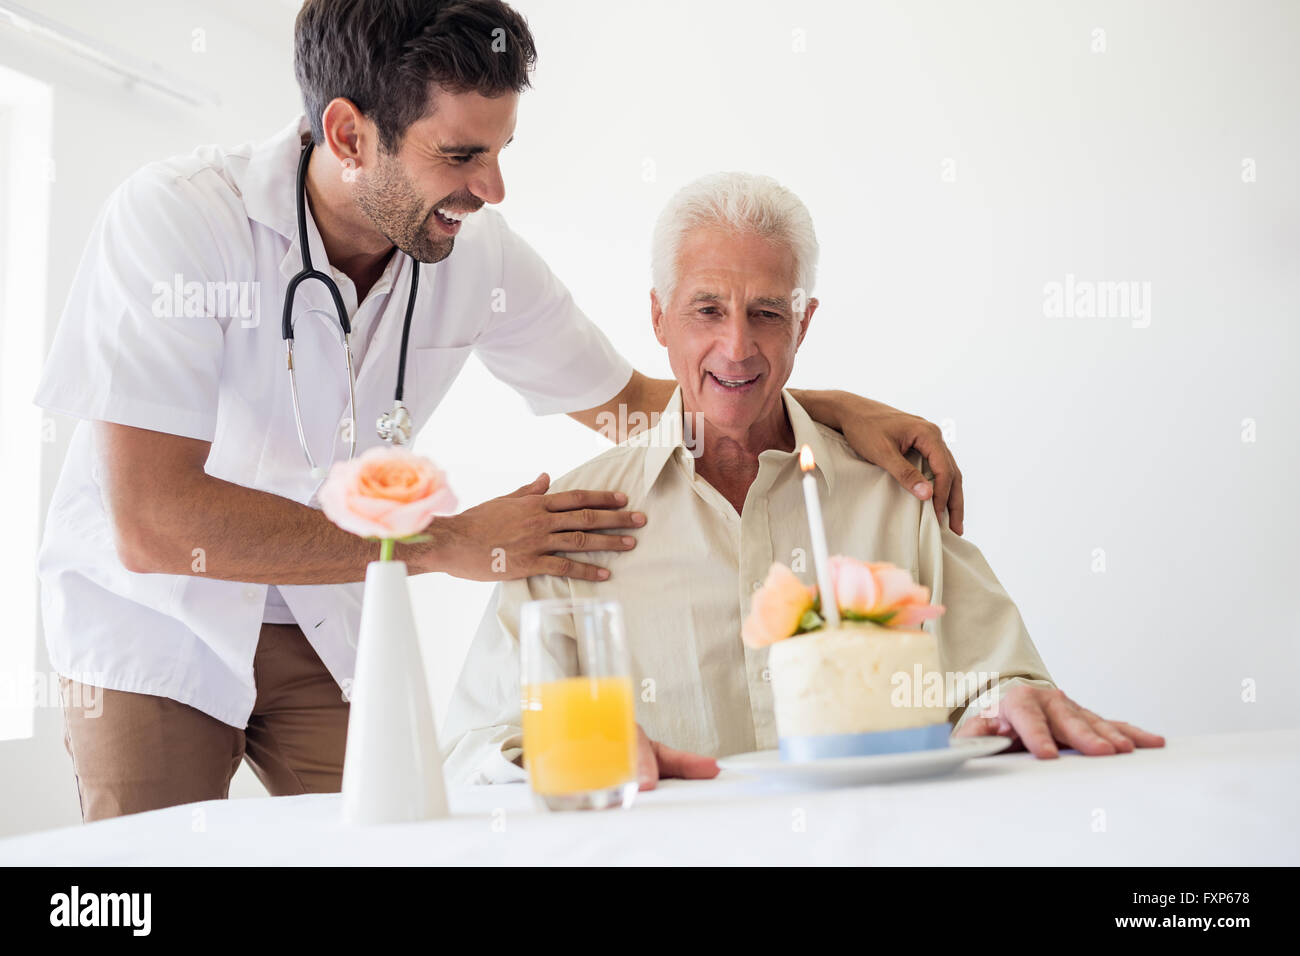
[(134, 752)]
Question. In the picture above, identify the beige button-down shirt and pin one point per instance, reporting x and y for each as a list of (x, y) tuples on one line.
[(685, 589)]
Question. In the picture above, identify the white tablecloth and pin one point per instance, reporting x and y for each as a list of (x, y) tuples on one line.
[(1221, 799)]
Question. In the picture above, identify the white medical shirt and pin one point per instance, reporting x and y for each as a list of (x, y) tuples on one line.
[(173, 325)]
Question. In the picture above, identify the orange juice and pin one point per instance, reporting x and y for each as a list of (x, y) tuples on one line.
[(579, 734)]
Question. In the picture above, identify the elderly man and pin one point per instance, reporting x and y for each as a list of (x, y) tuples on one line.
[(717, 477)]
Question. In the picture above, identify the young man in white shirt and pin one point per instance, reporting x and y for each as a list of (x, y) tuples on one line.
[(188, 581)]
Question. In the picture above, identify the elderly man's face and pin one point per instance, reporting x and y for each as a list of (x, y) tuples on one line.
[(730, 329)]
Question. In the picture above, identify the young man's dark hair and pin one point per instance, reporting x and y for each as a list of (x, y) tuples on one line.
[(386, 56)]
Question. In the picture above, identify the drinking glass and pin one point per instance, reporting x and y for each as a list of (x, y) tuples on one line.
[(579, 711)]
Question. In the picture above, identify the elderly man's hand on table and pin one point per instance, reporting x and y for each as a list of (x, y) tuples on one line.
[(655, 762), (1038, 718)]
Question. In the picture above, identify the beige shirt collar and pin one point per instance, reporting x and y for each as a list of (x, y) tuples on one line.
[(669, 437)]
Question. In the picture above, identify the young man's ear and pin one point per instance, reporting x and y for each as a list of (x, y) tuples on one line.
[(657, 318), (347, 132), (807, 317)]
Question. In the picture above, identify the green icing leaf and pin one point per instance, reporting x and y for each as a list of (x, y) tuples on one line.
[(810, 621), (881, 619)]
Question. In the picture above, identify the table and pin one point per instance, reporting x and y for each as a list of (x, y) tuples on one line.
[(1210, 800)]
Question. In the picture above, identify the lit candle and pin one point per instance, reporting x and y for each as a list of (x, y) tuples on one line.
[(821, 558)]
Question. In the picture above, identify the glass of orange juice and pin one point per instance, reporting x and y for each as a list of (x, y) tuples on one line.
[(579, 712)]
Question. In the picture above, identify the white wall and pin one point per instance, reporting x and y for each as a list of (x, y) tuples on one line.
[(1073, 434), (102, 131)]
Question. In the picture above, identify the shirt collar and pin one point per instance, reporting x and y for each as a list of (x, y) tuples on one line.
[(268, 182), (269, 186), (668, 437), (663, 439)]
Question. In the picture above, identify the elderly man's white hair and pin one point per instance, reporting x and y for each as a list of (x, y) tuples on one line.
[(746, 202)]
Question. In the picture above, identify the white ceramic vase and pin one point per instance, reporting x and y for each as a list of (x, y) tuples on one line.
[(392, 771)]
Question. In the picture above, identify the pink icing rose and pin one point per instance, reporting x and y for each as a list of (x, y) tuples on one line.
[(385, 492), (776, 608), (880, 592)]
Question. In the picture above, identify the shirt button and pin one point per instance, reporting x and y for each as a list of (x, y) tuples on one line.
[(767, 674), (250, 593), (754, 586)]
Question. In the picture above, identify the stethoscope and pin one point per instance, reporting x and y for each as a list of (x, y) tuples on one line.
[(393, 426)]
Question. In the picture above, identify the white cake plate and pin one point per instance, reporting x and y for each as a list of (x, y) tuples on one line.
[(854, 771)]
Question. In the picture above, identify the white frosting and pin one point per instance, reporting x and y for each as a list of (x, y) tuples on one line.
[(842, 681)]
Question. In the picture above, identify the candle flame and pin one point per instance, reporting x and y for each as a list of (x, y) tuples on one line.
[(806, 462)]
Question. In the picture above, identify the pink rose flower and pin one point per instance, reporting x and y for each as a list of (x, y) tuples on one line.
[(776, 608), (881, 593), (385, 492)]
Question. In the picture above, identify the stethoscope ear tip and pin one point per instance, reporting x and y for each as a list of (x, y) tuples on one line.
[(319, 473)]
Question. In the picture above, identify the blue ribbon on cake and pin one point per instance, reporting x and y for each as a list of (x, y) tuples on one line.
[(821, 746)]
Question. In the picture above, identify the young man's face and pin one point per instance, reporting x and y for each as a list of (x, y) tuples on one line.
[(447, 166), (730, 329)]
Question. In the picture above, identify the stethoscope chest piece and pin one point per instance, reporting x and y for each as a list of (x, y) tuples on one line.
[(395, 426)]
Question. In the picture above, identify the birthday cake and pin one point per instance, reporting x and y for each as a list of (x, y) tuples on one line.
[(862, 687)]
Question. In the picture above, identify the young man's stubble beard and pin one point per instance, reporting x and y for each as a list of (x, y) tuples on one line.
[(394, 206)]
